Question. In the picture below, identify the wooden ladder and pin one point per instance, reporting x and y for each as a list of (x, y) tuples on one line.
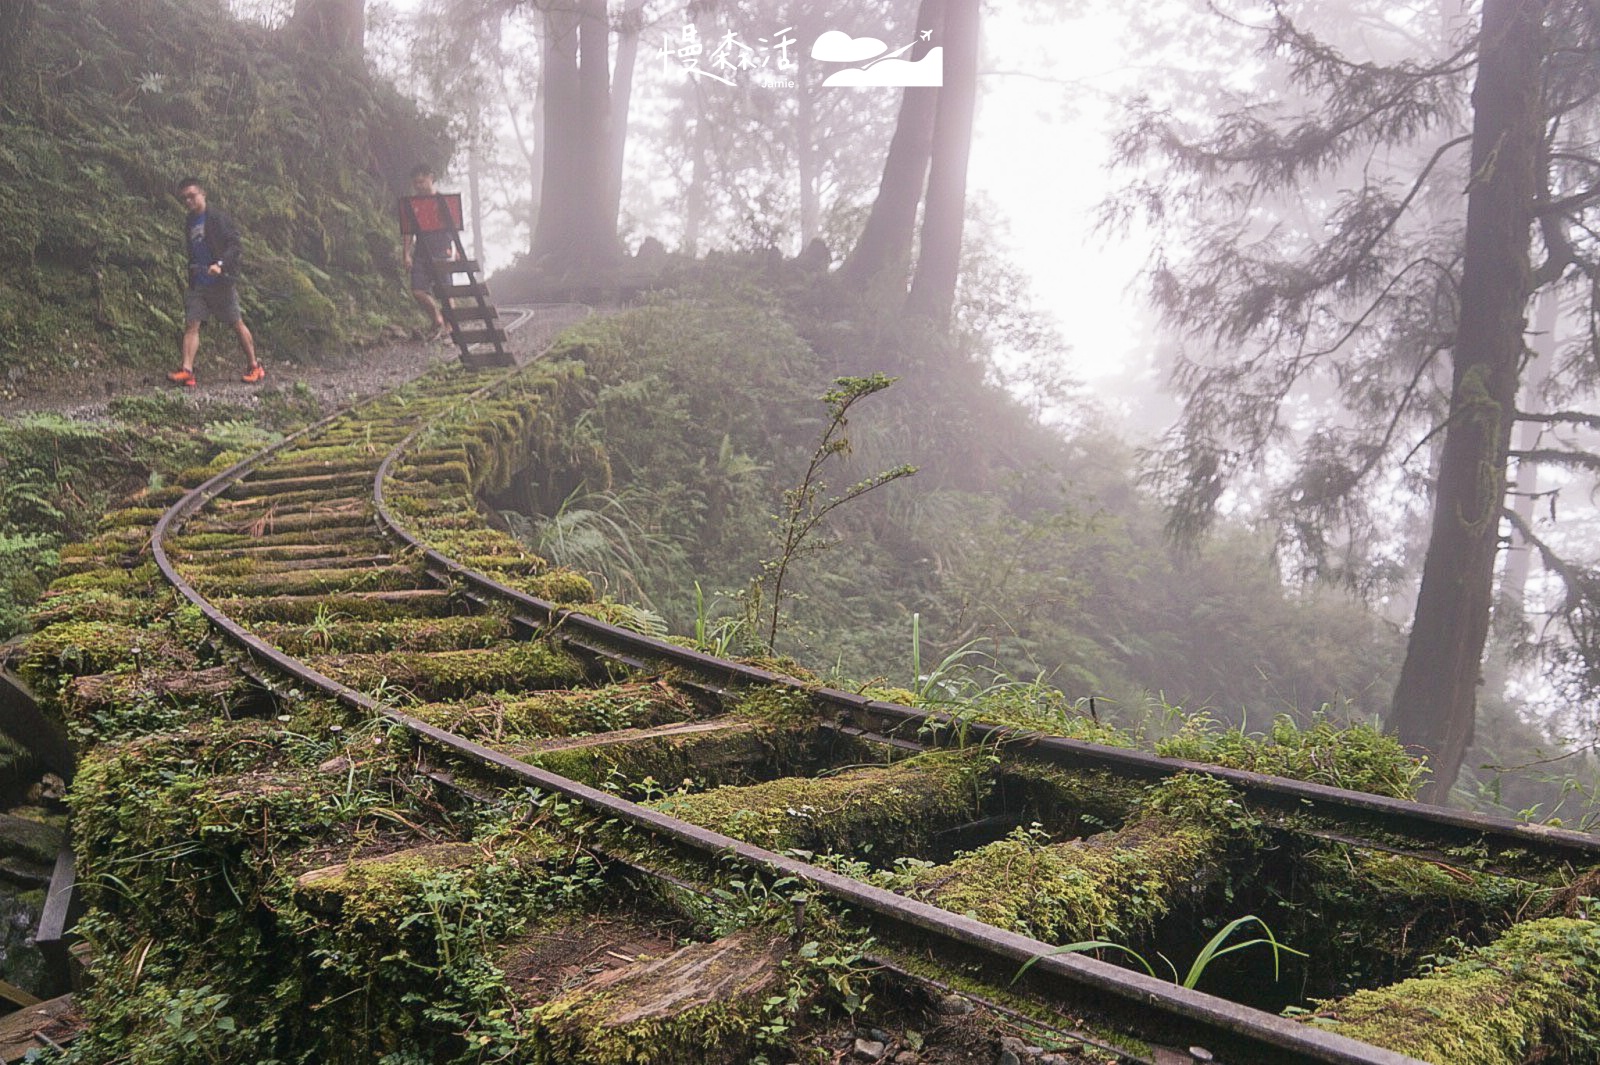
[(474, 323)]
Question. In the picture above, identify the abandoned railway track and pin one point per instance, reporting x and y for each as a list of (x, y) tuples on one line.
[(714, 828)]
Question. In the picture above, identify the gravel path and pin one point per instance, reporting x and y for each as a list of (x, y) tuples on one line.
[(337, 381)]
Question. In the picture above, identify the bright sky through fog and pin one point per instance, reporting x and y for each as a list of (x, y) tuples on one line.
[(1040, 145), (1041, 141)]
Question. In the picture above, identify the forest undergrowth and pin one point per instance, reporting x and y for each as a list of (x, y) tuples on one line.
[(104, 107), (1022, 562)]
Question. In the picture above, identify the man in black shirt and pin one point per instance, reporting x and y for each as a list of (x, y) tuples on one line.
[(214, 254)]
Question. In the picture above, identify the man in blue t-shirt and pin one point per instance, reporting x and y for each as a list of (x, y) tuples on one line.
[(214, 255)]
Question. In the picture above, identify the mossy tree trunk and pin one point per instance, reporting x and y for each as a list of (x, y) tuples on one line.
[(1436, 699)]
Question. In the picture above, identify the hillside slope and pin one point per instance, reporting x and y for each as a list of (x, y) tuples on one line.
[(104, 106)]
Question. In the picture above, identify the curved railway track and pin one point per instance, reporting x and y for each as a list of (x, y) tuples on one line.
[(339, 562)]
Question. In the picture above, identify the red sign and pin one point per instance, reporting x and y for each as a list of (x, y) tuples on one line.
[(430, 214)]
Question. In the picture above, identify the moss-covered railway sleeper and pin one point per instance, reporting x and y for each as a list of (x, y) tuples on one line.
[(600, 846)]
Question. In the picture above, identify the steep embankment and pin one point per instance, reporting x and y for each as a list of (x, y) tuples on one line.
[(104, 106)]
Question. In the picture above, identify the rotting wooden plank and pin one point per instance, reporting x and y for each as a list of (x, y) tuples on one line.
[(54, 1022), (374, 605), (702, 1003), (323, 890), (635, 735)]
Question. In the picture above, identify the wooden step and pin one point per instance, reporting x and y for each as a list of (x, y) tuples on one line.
[(480, 336), (460, 314)]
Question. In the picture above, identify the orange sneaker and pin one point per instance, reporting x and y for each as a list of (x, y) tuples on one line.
[(182, 377), (254, 374)]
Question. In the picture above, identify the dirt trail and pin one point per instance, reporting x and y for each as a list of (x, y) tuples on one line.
[(337, 381)]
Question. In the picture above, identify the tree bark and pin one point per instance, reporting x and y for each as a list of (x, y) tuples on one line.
[(933, 288), (573, 231), (1510, 601), (597, 233), (475, 171), (807, 164), (332, 25), (556, 233), (621, 98), (886, 239), (1436, 699), (694, 206)]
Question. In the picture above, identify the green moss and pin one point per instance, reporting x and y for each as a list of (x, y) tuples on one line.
[(885, 810), (1117, 882), (1067, 799), (698, 757), (1532, 995), (112, 706), (385, 933), (1357, 757), (110, 579), (92, 605), (118, 545), (305, 610), (561, 712), (32, 834), (217, 802), (774, 706), (334, 634), (328, 581), (1000, 989), (79, 647), (1367, 917), (443, 674)]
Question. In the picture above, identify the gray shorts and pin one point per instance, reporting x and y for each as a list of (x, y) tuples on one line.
[(422, 275), (205, 303)]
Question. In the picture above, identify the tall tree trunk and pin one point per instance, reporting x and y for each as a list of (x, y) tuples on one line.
[(555, 235), (1436, 700), (573, 231), (628, 32), (531, 148), (807, 156), (597, 234), (886, 239), (332, 25), (475, 180), (933, 288), (1511, 600), (694, 207), (536, 166)]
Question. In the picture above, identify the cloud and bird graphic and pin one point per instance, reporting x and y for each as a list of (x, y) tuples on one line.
[(877, 65)]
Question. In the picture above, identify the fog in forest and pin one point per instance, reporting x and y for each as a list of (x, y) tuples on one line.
[(1212, 312), (1233, 238)]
